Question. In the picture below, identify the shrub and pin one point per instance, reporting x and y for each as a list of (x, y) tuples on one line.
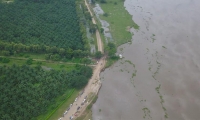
[(5, 60), (29, 61), (101, 30), (105, 14), (98, 55), (6, 53)]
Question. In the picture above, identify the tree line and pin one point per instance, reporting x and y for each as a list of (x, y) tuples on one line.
[(27, 92), (12, 48)]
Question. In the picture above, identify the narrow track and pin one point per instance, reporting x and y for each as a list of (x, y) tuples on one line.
[(94, 83), (99, 41)]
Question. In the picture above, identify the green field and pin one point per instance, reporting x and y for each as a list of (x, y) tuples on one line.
[(119, 20)]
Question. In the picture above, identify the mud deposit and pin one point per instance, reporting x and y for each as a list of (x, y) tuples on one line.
[(159, 76)]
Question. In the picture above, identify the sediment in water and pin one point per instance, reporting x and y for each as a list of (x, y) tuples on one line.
[(151, 81)]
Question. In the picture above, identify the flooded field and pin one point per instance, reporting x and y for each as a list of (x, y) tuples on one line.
[(159, 76), (105, 25)]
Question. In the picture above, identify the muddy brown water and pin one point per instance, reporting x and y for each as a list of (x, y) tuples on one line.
[(159, 76)]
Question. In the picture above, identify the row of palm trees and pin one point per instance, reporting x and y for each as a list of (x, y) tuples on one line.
[(51, 23), (27, 92)]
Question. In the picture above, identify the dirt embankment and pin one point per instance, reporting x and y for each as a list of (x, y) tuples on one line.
[(94, 83)]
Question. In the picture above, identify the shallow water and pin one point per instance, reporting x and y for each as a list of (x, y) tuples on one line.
[(161, 79), (105, 25)]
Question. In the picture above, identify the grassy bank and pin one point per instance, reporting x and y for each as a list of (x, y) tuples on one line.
[(120, 20), (110, 62)]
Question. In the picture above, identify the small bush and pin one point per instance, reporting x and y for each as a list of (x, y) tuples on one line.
[(55, 57), (26, 56), (98, 55), (86, 61), (39, 63), (62, 66), (105, 14), (29, 61), (5, 60), (6, 53), (101, 30), (21, 54)]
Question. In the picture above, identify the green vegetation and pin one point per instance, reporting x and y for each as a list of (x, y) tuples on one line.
[(35, 36), (6, 1), (111, 49), (51, 53), (58, 102), (45, 64), (41, 22), (29, 92), (29, 61), (146, 113), (4, 60), (149, 68), (164, 47), (98, 55), (111, 61), (128, 61), (61, 34), (158, 89), (161, 101), (152, 38), (159, 65), (120, 20), (133, 75)]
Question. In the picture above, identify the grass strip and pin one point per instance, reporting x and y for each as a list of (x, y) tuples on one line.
[(60, 101), (50, 114), (119, 19)]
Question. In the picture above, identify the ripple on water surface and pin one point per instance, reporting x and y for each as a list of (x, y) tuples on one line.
[(159, 76)]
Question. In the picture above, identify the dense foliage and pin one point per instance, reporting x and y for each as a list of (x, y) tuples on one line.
[(4, 60), (14, 48), (27, 92), (111, 49), (98, 55), (43, 22)]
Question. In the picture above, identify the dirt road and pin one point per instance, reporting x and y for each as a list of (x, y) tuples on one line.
[(93, 20), (99, 41), (92, 87), (94, 83)]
